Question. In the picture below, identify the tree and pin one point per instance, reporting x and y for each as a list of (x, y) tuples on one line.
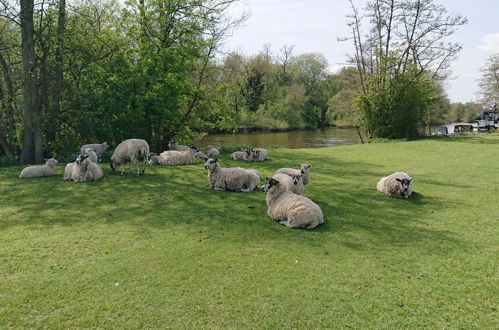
[(489, 82), (405, 42)]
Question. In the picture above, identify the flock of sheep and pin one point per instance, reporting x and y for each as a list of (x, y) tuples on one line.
[(285, 198)]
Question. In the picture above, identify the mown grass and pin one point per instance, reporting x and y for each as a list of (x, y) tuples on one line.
[(164, 250)]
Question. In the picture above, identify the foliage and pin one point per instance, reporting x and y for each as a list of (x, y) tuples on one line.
[(166, 250), (489, 82)]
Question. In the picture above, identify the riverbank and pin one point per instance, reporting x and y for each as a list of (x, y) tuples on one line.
[(166, 250)]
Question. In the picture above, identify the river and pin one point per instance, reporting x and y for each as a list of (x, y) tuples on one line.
[(325, 137)]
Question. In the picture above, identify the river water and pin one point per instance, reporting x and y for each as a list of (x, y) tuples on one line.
[(295, 139)]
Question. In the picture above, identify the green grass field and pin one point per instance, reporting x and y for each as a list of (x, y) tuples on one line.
[(164, 250)]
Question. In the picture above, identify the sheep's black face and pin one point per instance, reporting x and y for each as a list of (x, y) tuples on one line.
[(295, 177), (405, 184), (304, 168), (210, 164), (113, 167), (270, 184), (81, 158)]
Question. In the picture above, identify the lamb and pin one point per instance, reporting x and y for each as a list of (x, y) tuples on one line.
[(291, 182), (202, 155), (304, 170), (290, 209), (92, 154), (130, 151), (39, 170), (231, 179), (398, 184), (99, 148), (176, 158), (83, 170), (239, 155)]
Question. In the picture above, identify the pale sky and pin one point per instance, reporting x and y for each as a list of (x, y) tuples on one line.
[(315, 25)]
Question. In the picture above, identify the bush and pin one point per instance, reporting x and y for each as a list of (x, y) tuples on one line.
[(8, 161)]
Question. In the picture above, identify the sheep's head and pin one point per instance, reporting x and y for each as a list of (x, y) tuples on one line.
[(295, 177), (405, 184), (270, 184), (304, 168), (211, 164), (171, 145), (81, 157), (50, 162), (105, 145)]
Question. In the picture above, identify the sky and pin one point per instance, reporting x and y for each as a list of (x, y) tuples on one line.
[(315, 25)]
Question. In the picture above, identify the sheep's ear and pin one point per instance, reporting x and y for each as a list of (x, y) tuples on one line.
[(216, 159), (398, 179), (410, 180), (309, 166)]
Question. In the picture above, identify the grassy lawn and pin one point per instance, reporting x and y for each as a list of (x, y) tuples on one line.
[(164, 250)]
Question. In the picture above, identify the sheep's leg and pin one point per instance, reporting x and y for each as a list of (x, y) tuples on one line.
[(284, 223), (122, 170), (219, 188)]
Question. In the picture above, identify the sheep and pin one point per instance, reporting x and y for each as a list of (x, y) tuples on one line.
[(304, 169), (83, 170), (99, 148), (239, 155), (153, 158), (211, 151), (92, 154), (178, 147), (259, 154), (202, 155), (232, 179), (398, 184), (291, 182), (290, 209), (176, 158), (39, 170), (130, 151)]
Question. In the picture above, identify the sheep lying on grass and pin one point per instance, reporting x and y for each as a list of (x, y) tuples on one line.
[(83, 169), (259, 154), (398, 184), (212, 151), (239, 155), (232, 179), (291, 210), (304, 170), (130, 151), (178, 147), (99, 148), (291, 182), (39, 170), (176, 158)]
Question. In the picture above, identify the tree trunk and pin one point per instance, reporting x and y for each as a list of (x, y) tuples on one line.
[(32, 141), (57, 88)]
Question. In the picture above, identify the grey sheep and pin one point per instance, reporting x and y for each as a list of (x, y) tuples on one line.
[(39, 170), (398, 184), (99, 148), (290, 209), (177, 158), (231, 179), (130, 151)]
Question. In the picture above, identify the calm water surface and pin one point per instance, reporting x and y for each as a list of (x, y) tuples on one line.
[(296, 139)]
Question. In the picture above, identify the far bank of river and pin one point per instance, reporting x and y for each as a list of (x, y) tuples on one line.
[(317, 138)]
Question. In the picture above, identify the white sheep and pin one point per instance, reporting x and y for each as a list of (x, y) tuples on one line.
[(212, 151), (232, 179), (177, 158), (99, 148), (92, 154), (239, 155), (39, 170), (290, 209), (130, 151), (178, 147), (83, 170), (201, 155), (304, 170), (291, 182), (398, 184)]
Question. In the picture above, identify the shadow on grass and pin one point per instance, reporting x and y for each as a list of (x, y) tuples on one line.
[(356, 215)]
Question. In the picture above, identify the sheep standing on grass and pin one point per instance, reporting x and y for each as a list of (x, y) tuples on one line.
[(291, 182), (291, 210), (99, 148), (304, 170), (39, 170), (83, 169), (130, 151), (398, 184), (232, 179)]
